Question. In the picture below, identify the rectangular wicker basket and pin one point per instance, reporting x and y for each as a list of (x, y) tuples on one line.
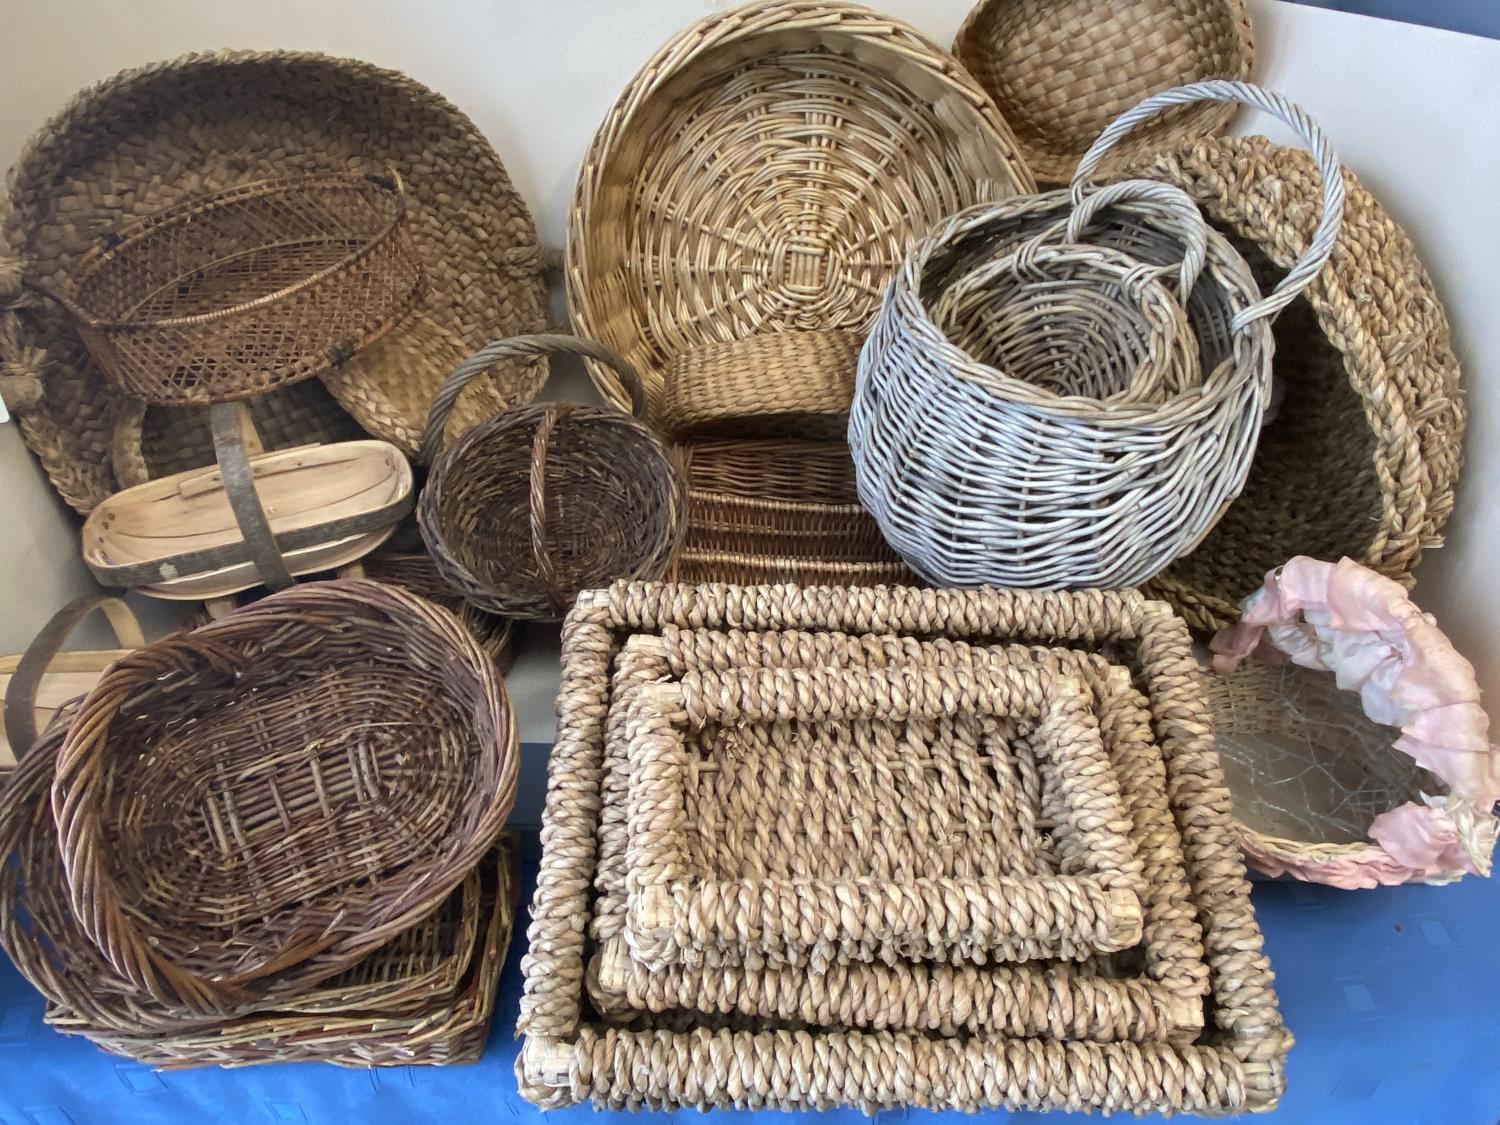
[(683, 1059), (783, 815)]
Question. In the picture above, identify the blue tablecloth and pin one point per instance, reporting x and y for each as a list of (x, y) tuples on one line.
[(1394, 996)]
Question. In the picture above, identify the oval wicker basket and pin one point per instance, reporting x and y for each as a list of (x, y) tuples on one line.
[(1061, 70), (766, 170), (1362, 455), (237, 292), (152, 137), (599, 495), (772, 385), (982, 474), (246, 809)]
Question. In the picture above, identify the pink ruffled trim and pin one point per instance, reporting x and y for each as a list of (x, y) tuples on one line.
[(1362, 627)]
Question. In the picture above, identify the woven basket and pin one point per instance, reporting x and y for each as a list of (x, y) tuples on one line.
[(150, 138), (1061, 70), (765, 171), (235, 293), (814, 816), (765, 511), (1155, 993), (234, 743), (417, 573), (775, 385), (600, 496), (1047, 458), (1362, 454), (658, 1062)]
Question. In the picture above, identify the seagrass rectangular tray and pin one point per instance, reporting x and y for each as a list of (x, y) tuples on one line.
[(669, 1059), (813, 815)]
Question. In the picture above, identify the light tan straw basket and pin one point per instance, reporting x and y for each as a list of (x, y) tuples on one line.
[(765, 171), (1036, 408), (1061, 70)]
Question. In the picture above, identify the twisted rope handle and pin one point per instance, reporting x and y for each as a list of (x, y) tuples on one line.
[(1320, 246), (540, 343), (20, 696), (1170, 201)]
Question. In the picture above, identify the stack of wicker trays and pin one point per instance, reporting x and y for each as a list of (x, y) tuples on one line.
[(273, 838), (915, 906)]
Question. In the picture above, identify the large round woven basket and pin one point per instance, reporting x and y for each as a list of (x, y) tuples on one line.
[(1363, 451), (152, 137), (1034, 448), (766, 170), (1061, 70), (249, 808)]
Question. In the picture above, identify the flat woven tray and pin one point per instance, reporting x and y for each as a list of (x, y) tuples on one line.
[(1236, 1064), (816, 815), (1155, 992)]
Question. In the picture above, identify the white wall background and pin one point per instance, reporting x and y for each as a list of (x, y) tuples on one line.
[(1414, 111)]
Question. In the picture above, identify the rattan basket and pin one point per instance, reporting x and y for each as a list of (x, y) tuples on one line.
[(1061, 70), (149, 139), (786, 817), (296, 847), (764, 171), (525, 510), (1155, 993), (683, 1060), (773, 385), (764, 511), (235, 293), (1361, 456), (1058, 454)]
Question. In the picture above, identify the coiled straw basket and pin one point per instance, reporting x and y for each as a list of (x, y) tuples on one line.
[(1003, 437), (248, 809), (526, 509)]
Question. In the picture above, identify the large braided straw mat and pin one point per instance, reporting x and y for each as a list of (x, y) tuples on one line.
[(766, 170), (155, 136), (721, 1058), (1360, 457), (1061, 70)]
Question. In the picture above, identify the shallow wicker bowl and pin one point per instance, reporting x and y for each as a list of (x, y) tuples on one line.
[(764, 171), (1061, 70), (249, 808), (525, 510)]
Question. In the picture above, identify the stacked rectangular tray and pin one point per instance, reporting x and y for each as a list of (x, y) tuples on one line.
[(1184, 1021)]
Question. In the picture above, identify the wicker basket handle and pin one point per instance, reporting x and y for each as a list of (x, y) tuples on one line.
[(1170, 201), (20, 695), (540, 343), (1320, 246)]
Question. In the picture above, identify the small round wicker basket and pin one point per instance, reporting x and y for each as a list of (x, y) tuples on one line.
[(600, 496), (765, 171)]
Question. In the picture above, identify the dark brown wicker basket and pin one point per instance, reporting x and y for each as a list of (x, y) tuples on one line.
[(600, 496), (250, 808), (232, 294), (762, 511)]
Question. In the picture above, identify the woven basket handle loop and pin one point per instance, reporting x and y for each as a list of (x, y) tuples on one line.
[(541, 343), (20, 695), (1320, 246), (1173, 204), (541, 441), (234, 434)]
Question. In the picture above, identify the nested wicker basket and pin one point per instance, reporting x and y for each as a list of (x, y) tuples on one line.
[(525, 510), (765, 171), (1352, 734), (636, 1059), (772, 385), (1077, 444), (235, 293), (804, 817), (1061, 70), (1362, 454), (763, 511), (150, 138), (327, 765)]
